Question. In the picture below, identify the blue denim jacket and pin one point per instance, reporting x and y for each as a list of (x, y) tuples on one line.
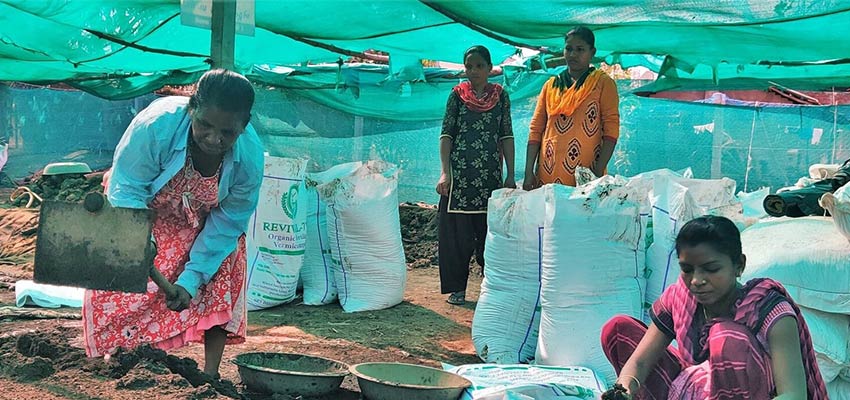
[(153, 150)]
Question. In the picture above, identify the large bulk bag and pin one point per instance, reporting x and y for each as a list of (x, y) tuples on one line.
[(807, 255), (369, 266), (507, 316), (591, 270), (317, 271), (277, 235)]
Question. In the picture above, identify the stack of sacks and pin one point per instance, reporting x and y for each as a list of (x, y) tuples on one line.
[(672, 207), (644, 183), (811, 259), (672, 200), (507, 317), (592, 239)]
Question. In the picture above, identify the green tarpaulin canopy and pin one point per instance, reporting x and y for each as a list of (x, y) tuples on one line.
[(121, 49)]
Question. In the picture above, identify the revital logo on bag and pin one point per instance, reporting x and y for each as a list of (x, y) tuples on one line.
[(289, 202)]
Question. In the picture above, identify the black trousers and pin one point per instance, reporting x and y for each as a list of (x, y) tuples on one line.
[(460, 237)]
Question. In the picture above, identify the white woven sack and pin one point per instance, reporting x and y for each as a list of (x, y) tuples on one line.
[(807, 255), (370, 269), (317, 271), (277, 235), (591, 270), (507, 316)]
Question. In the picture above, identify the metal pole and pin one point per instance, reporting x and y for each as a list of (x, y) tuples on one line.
[(223, 37), (357, 153), (834, 126), (718, 139)]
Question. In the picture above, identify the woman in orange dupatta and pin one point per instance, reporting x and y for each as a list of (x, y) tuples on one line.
[(576, 121)]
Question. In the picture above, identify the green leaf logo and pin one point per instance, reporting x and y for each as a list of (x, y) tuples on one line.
[(289, 202)]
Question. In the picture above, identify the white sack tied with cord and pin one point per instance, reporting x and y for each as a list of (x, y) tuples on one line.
[(277, 235), (317, 272), (591, 270), (369, 266), (507, 317)]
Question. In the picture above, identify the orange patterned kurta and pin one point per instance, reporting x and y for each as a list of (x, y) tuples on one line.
[(569, 141)]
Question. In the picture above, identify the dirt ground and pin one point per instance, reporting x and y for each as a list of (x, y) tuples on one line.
[(41, 353)]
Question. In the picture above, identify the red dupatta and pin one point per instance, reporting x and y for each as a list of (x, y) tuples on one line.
[(492, 94)]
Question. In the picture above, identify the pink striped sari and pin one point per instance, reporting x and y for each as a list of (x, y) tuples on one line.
[(711, 353)]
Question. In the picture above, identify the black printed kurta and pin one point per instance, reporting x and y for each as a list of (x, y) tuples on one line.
[(476, 158)]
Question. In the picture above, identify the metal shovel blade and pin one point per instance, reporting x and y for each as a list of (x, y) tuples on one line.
[(107, 249)]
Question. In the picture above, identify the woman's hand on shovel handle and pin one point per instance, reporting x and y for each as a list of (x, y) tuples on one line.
[(164, 285), (180, 300), (176, 297)]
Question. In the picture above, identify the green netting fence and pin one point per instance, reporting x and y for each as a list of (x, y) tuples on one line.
[(757, 146)]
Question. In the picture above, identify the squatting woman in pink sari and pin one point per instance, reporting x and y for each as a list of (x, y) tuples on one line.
[(734, 341)]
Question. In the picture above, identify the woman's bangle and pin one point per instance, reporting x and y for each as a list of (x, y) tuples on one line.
[(632, 377)]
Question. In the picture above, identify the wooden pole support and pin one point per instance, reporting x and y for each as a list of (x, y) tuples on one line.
[(223, 36)]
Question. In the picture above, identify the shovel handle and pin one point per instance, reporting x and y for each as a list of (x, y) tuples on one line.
[(94, 202), (163, 283)]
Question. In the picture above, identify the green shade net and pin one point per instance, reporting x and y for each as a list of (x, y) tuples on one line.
[(369, 90), (137, 45), (121, 49), (692, 32), (755, 145)]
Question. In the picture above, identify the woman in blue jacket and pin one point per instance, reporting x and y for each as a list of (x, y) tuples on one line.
[(198, 164)]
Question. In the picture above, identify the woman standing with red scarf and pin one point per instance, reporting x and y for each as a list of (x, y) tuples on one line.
[(477, 135), (734, 341)]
